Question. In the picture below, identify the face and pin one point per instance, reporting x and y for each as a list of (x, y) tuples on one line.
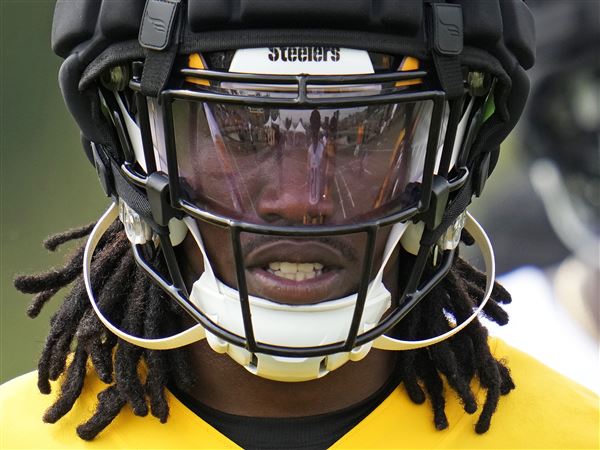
[(298, 167)]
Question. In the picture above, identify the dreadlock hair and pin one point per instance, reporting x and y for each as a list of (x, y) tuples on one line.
[(140, 307)]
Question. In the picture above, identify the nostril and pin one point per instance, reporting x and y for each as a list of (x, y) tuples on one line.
[(271, 218), (291, 205)]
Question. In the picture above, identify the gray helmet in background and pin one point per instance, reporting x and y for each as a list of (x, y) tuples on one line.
[(562, 126)]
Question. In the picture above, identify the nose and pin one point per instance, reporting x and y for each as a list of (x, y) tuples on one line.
[(292, 206), (299, 196)]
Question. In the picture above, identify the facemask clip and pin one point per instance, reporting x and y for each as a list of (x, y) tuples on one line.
[(137, 230), (451, 238)]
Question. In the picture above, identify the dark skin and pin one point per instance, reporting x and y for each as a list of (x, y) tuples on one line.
[(246, 394), (222, 383), (226, 386)]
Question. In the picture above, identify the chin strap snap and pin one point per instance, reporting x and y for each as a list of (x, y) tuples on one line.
[(387, 343)]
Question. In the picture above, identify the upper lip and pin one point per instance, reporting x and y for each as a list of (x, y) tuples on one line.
[(295, 251)]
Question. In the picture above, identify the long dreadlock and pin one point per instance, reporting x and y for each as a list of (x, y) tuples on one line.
[(140, 307)]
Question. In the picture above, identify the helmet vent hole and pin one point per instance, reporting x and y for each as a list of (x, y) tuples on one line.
[(323, 366), (253, 364)]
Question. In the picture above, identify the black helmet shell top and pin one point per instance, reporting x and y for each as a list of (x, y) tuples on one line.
[(493, 36)]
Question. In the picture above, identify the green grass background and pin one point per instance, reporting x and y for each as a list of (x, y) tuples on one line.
[(47, 185)]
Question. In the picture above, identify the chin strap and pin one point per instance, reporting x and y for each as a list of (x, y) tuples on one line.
[(197, 332), (193, 334), (384, 342)]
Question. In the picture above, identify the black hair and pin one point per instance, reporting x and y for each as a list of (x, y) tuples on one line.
[(138, 306)]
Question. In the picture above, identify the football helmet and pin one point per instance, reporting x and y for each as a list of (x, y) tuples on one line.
[(293, 148)]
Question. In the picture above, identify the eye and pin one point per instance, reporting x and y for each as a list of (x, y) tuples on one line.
[(233, 136), (249, 141)]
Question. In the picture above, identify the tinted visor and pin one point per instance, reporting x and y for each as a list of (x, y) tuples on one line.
[(301, 166)]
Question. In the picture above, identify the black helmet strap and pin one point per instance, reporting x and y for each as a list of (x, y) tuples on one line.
[(446, 45), (160, 21)]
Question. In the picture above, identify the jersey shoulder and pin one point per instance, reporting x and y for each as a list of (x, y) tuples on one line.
[(546, 410), (22, 407)]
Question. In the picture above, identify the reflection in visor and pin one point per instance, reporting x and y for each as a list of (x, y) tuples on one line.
[(301, 166)]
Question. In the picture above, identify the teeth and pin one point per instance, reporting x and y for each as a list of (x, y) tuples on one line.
[(305, 267), (295, 271), (288, 267)]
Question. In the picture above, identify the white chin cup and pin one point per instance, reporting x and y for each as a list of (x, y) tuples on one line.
[(289, 325), (285, 325)]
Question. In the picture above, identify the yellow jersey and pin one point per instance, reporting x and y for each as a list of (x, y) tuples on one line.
[(546, 410)]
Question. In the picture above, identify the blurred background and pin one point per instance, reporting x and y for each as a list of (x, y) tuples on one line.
[(545, 218), (47, 186)]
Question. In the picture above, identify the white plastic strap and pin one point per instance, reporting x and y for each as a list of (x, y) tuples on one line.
[(193, 334), (387, 343), (135, 135)]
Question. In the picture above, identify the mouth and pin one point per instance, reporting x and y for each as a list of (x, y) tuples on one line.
[(297, 273)]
